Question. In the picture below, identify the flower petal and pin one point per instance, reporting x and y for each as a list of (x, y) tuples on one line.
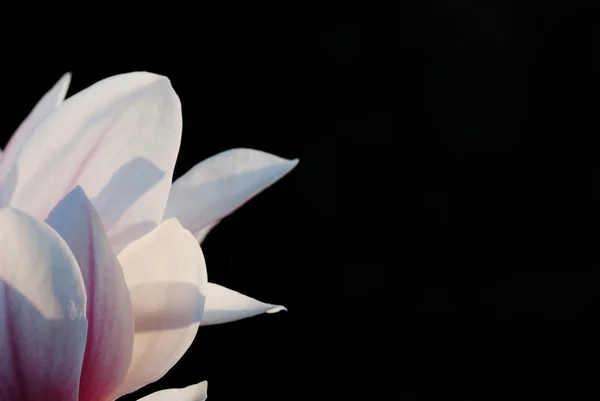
[(224, 305), (166, 274), (42, 312), (195, 392), (219, 185), (47, 104), (118, 139), (110, 317)]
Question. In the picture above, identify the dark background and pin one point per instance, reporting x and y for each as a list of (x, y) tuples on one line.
[(439, 236)]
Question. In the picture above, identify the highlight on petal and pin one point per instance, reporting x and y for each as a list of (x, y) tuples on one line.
[(224, 305), (42, 312), (195, 392), (219, 185), (110, 316), (46, 105), (118, 140), (166, 275)]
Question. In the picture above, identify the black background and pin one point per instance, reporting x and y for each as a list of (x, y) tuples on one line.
[(439, 235)]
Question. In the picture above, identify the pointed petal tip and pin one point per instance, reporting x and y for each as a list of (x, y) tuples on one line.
[(75, 200), (224, 305), (163, 85), (159, 83), (195, 392), (78, 189), (276, 308), (63, 86)]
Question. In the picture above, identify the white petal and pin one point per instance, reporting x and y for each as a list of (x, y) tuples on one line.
[(47, 104), (219, 185), (166, 274), (110, 316), (42, 312), (224, 305), (118, 139), (195, 392)]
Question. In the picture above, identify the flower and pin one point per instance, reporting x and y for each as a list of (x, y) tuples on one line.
[(118, 140), (63, 290), (68, 314)]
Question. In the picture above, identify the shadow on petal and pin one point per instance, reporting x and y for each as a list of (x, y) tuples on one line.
[(127, 184), (33, 344), (124, 238), (7, 188), (206, 203), (166, 306)]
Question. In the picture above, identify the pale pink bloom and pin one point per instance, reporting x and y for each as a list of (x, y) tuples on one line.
[(118, 140), (67, 315)]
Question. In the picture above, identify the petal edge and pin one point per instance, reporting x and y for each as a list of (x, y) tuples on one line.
[(224, 305)]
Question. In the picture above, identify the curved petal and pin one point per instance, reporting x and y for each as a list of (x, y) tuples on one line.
[(195, 392), (42, 312), (110, 317), (118, 139), (219, 185), (47, 104), (166, 274), (224, 305)]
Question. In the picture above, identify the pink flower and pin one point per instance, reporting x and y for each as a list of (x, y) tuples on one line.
[(67, 314), (118, 140), (79, 322)]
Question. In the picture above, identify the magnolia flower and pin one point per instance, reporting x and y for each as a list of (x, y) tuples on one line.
[(68, 315), (61, 294), (119, 140)]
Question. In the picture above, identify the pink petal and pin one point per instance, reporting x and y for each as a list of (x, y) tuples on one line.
[(165, 272), (224, 305), (219, 185), (195, 392), (42, 312), (110, 316), (118, 139), (47, 104)]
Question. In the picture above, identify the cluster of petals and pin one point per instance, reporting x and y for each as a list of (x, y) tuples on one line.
[(103, 284)]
